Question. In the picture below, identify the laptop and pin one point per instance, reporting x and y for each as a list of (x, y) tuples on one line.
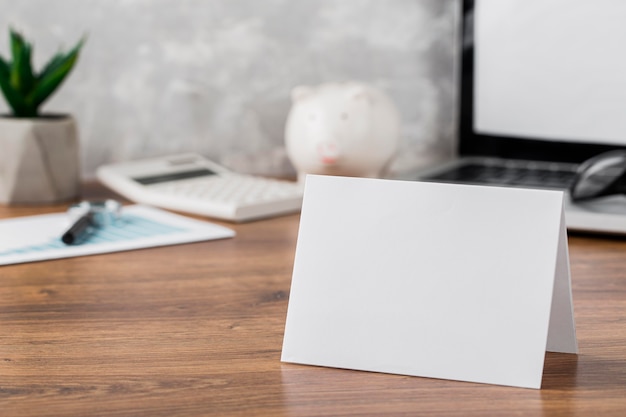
[(542, 89)]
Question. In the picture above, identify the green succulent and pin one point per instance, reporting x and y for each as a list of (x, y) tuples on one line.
[(23, 89)]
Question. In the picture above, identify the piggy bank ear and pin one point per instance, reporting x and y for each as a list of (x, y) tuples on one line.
[(300, 92), (360, 93)]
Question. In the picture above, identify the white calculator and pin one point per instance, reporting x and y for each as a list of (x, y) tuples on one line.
[(193, 184)]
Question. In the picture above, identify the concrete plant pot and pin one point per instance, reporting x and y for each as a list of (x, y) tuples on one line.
[(39, 160)]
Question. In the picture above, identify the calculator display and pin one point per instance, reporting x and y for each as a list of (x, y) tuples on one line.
[(183, 175)]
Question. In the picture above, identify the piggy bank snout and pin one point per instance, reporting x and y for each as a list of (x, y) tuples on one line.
[(328, 152)]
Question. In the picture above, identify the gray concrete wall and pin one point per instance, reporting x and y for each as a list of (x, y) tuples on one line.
[(214, 76)]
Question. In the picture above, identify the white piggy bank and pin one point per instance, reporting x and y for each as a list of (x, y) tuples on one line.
[(347, 129)]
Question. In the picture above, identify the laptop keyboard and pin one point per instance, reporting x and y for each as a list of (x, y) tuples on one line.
[(519, 176)]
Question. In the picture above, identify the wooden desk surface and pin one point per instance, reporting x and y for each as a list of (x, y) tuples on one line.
[(196, 329)]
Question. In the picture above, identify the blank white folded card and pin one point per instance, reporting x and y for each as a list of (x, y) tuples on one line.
[(448, 281)]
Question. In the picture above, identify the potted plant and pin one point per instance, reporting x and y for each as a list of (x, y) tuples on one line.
[(39, 158)]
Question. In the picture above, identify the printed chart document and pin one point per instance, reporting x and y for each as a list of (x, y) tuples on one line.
[(37, 238), (448, 281)]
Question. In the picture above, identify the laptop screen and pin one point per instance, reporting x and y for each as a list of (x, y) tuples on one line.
[(543, 79)]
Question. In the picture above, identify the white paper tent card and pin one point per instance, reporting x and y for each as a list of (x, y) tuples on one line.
[(445, 281)]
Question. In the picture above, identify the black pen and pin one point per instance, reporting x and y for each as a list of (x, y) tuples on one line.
[(77, 231)]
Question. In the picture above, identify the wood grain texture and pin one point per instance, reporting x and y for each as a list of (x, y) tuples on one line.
[(197, 329)]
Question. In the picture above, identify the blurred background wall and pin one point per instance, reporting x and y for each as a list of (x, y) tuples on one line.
[(214, 76)]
